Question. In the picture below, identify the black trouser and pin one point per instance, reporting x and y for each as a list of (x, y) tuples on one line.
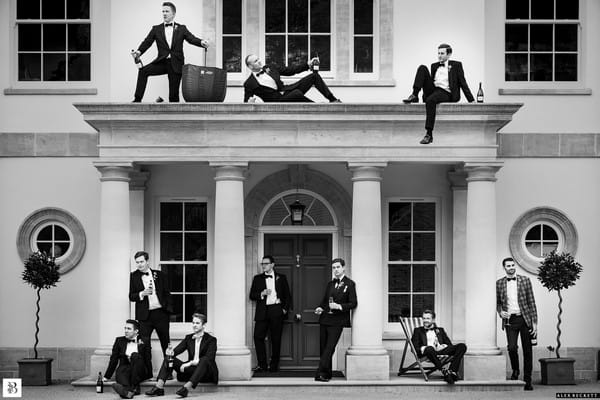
[(273, 324), (130, 375), (432, 95), (194, 374), (161, 67), (517, 325), (329, 336), (157, 319), (457, 350), (308, 82)]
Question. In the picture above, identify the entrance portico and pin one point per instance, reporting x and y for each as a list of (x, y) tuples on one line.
[(233, 138)]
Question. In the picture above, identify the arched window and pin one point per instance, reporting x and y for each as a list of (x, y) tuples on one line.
[(317, 212)]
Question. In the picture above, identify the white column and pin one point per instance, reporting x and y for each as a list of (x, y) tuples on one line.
[(114, 267), (484, 360), (366, 358), (233, 356)]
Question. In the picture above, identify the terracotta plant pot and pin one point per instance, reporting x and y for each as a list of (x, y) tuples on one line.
[(35, 371), (557, 371)]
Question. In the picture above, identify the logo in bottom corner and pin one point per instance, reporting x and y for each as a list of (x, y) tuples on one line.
[(11, 387)]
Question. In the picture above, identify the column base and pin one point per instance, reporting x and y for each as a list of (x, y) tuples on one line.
[(485, 367), (234, 365), (368, 367)]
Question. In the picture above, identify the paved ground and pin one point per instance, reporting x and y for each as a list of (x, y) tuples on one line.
[(68, 392)]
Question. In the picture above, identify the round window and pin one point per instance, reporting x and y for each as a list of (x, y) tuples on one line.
[(542, 238), (54, 239)]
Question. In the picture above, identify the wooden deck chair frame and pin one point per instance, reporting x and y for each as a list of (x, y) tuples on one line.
[(417, 366)]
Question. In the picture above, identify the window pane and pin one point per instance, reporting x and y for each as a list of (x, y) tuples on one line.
[(60, 248), (320, 46), (171, 216), (297, 49), (534, 248), (171, 246), (424, 217), (195, 216), (517, 9), (535, 233), (55, 37), (541, 67), (275, 16), (320, 16), (567, 9), (177, 315), (79, 37), (28, 9), (195, 278), (297, 16), (195, 246), (565, 67), (541, 37), (78, 9), (44, 247), (30, 67), (60, 233), (516, 37), (422, 302), (174, 277), (424, 246), (54, 67), (548, 247), (30, 37), (565, 37), (363, 17), (516, 67), (542, 9), (399, 278), (79, 67), (45, 233), (232, 16), (363, 54), (275, 50), (399, 247), (400, 216), (549, 233), (53, 9), (232, 54), (423, 278), (398, 306), (194, 303)]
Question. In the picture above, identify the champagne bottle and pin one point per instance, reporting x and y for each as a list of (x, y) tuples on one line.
[(170, 356), (480, 94), (100, 384), (136, 59), (534, 339), (316, 64)]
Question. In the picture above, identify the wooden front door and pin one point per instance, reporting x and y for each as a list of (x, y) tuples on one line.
[(306, 261)]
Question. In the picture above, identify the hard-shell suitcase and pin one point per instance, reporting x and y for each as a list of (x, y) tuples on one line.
[(203, 84)]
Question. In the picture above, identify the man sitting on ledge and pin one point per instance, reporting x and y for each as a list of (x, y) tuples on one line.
[(265, 82)]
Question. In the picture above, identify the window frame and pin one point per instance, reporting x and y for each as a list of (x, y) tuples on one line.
[(376, 48), (219, 21), (41, 226), (395, 327)]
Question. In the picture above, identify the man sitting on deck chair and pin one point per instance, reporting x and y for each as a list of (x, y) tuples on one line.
[(431, 340)]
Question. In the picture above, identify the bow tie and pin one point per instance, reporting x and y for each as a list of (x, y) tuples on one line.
[(169, 24), (268, 276), (131, 340), (432, 327), (337, 281), (511, 279), (262, 71), (146, 273), (197, 336)]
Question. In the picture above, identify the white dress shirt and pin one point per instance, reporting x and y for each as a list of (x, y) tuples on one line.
[(148, 281), (441, 77), (512, 297), (197, 349), (271, 298), (132, 347), (169, 35), (265, 80)]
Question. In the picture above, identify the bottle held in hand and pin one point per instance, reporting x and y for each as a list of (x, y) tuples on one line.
[(316, 64), (534, 339), (136, 59)]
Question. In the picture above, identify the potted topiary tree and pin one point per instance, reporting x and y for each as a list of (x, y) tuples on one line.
[(558, 271), (41, 272)]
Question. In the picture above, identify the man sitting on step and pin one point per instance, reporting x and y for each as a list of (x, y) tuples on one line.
[(431, 340)]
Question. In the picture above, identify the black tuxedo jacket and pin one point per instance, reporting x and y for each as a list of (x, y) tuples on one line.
[(419, 337), (207, 350), (118, 356), (345, 295), (136, 285), (259, 283), (252, 87), (456, 79), (180, 33)]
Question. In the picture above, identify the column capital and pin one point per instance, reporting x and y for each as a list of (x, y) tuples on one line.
[(138, 180), (482, 172), (458, 178), (114, 171), (229, 171), (366, 171)]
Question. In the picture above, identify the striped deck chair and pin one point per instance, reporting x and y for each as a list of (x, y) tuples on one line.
[(421, 365)]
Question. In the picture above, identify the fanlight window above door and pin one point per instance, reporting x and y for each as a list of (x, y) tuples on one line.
[(316, 213)]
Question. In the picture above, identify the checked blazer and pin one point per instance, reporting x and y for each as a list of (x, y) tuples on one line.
[(525, 299)]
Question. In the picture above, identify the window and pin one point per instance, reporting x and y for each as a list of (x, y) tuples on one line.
[(541, 40), (316, 213), (539, 231), (363, 36), (54, 239), (183, 256), (232, 35), (412, 264), (295, 29), (53, 40)]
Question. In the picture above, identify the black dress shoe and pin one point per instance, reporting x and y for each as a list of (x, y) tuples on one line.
[(136, 101), (321, 378), (137, 390), (182, 392), (455, 376), (411, 99), (335, 101), (155, 391), (528, 386), (515, 375), (448, 377), (260, 369), (426, 139)]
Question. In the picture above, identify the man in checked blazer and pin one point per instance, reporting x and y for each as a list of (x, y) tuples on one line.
[(334, 311), (443, 85), (169, 37), (515, 304), (271, 293)]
